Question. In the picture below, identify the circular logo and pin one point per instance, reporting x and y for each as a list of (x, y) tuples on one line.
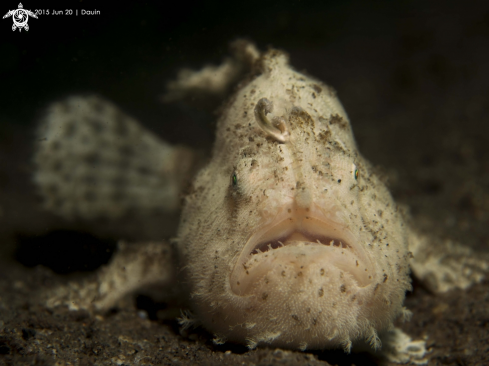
[(20, 17)]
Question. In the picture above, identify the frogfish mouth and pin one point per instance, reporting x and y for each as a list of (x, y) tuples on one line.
[(299, 241)]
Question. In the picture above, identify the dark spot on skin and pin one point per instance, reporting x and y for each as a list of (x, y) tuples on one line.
[(324, 136), (295, 317), (89, 196), (126, 151), (314, 95), (117, 195), (56, 146), (343, 288), (252, 91), (321, 272), (57, 165), (283, 273), (123, 164), (119, 182), (321, 292), (85, 140), (317, 88), (299, 274), (301, 119), (336, 119), (57, 202), (92, 159), (70, 129), (144, 170), (52, 188), (251, 139), (314, 321), (264, 296), (385, 277), (96, 124), (89, 179), (339, 180)]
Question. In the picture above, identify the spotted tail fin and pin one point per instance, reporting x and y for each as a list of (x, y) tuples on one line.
[(94, 161)]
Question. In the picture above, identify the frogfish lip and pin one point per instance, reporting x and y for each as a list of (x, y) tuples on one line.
[(327, 240)]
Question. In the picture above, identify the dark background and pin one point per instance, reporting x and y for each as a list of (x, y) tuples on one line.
[(413, 77)]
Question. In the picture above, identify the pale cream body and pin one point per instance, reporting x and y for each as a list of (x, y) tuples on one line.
[(303, 295)]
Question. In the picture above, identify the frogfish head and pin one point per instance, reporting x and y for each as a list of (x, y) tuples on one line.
[(288, 237)]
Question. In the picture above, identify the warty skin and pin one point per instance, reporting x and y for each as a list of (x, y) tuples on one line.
[(285, 163)]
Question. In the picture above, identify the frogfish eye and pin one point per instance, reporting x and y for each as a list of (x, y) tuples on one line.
[(356, 174), (234, 180)]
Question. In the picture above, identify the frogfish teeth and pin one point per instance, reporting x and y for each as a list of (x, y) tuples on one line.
[(289, 237)]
